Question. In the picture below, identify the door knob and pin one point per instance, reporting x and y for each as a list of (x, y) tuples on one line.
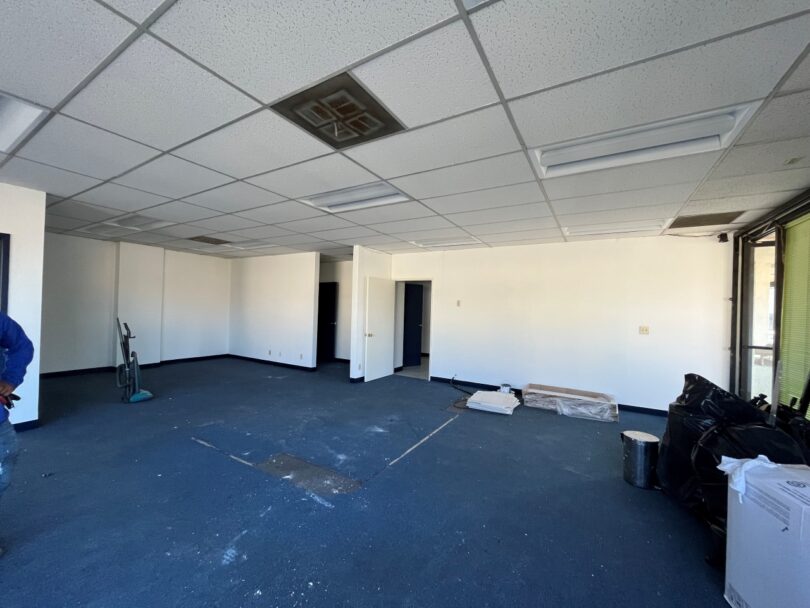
[(369, 335)]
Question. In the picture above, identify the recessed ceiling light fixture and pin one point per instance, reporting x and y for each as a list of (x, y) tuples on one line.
[(704, 132), (622, 228), (138, 222), (17, 118), (358, 197), (339, 112), (439, 242)]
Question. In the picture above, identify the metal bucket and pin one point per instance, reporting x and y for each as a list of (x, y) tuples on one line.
[(640, 458)]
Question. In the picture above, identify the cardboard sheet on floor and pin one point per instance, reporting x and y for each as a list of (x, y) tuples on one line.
[(571, 402), (493, 401)]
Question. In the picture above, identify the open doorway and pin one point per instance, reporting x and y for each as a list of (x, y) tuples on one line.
[(327, 321), (412, 337)]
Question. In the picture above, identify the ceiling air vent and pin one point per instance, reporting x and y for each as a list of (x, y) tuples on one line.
[(358, 197), (704, 132), (209, 240), (707, 219), (339, 112)]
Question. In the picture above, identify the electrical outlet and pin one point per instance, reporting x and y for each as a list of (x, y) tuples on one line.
[(644, 330)]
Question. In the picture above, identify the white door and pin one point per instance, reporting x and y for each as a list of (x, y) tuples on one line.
[(379, 331)]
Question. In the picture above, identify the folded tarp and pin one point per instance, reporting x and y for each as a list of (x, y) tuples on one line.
[(493, 401)]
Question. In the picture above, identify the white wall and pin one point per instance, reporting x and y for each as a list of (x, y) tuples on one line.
[(341, 273), (367, 263), (78, 303), (274, 308), (196, 306), (140, 298), (568, 314), (22, 215)]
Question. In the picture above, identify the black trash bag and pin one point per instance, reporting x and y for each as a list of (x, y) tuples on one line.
[(701, 406), (704, 424), (736, 441)]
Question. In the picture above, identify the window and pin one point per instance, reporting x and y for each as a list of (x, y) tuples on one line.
[(795, 326)]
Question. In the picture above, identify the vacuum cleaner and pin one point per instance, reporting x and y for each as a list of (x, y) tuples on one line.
[(129, 372)]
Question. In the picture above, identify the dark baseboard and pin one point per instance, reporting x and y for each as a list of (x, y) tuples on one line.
[(426, 354), (342, 360), (276, 363), (398, 369), (357, 380), (643, 410), (77, 372), (476, 385), (26, 426), (184, 360)]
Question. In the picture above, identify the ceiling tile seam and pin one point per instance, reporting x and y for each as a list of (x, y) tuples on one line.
[(528, 181), (765, 142), (84, 82), (529, 204), (753, 118), (662, 55), (30, 102), (791, 92), (759, 193), (499, 92), (295, 164), (793, 68)]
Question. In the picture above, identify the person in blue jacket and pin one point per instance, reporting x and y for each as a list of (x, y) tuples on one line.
[(18, 354)]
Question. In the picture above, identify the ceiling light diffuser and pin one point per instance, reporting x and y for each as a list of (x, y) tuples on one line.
[(457, 242), (17, 118), (615, 228), (704, 132), (359, 197)]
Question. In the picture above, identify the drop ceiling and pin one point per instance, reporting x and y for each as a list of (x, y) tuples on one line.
[(160, 126)]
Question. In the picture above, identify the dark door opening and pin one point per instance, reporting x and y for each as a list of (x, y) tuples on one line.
[(327, 321), (412, 334)]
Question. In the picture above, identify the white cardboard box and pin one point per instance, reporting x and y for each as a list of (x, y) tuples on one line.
[(768, 545)]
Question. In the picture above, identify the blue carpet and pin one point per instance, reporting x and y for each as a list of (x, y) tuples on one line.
[(116, 506)]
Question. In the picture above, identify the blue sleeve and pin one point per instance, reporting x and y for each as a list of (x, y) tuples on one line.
[(19, 350)]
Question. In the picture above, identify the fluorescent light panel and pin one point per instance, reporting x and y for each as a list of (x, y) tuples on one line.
[(619, 228), (439, 242), (17, 118), (359, 197), (704, 132)]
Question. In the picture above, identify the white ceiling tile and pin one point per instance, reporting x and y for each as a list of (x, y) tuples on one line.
[(553, 41), (685, 169), (281, 212), (505, 196), (237, 196), (783, 118), (75, 146), (398, 248), (178, 211), (739, 203), (264, 232), (765, 158), (226, 222), (500, 214), (272, 49), (120, 197), (422, 223), (799, 79), (704, 230), (20, 172), (675, 193), (293, 239), (513, 226), (182, 231), (135, 9), (314, 224), (59, 222), (319, 246), (483, 133), (173, 177), (632, 214), (419, 235), (341, 234), (387, 213), (521, 243), (46, 49), (147, 238), (443, 66), (501, 171), (723, 73), (82, 211), (314, 176), (751, 216), (523, 235), (778, 181), (154, 95), (256, 144)]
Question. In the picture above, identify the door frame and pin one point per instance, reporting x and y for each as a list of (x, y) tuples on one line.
[(432, 308)]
